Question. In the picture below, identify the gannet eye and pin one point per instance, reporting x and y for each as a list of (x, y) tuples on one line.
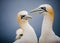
[(44, 8), (22, 16), (21, 35)]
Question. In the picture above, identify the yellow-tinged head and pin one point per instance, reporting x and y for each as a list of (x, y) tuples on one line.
[(44, 10), (23, 17)]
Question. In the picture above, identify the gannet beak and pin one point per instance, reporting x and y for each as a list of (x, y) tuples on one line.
[(37, 10), (18, 37), (27, 17)]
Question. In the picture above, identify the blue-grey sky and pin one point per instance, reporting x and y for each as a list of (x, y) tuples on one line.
[(8, 14)]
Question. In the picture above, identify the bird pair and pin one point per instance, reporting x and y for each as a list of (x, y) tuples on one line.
[(27, 34)]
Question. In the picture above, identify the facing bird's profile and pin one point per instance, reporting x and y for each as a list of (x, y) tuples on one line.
[(29, 35), (47, 34)]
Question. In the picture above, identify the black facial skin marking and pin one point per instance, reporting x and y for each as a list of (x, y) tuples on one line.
[(44, 8), (21, 34), (22, 16)]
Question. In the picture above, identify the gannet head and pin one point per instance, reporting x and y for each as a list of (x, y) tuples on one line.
[(19, 34), (23, 16), (44, 9)]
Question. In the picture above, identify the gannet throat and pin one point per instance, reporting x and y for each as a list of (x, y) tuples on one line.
[(47, 26)]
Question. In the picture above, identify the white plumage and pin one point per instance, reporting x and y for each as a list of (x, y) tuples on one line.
[(47, 34), (29, 35)]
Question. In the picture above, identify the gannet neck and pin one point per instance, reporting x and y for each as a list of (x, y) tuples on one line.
[(24, 25), (47, 25), (27, 28)]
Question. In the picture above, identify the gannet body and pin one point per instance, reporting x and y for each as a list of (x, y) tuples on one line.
[(29, 35), (47, 34)]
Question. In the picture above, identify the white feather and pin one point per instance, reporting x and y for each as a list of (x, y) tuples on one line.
[(29, 35), (47, 34)]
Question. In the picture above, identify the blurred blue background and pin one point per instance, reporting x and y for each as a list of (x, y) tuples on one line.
[(8, 14)]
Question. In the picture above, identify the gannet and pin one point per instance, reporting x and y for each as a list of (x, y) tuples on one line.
[(47, 34), (29, 35), (19, 33)]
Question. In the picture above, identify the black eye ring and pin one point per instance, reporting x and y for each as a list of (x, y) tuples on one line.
[(44, 8), (21, 34), (22, 16)]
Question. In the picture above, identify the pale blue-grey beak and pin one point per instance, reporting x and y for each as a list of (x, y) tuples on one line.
[(37, 10), (27, 17)]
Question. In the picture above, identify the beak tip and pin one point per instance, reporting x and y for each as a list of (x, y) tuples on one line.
[(33, 11)]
